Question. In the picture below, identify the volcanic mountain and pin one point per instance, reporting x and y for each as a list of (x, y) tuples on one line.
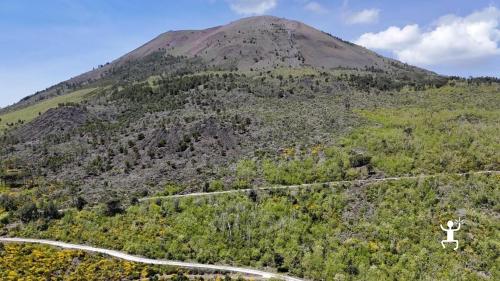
[(264, 144), (254, 43), (188, 105), (261, 42)]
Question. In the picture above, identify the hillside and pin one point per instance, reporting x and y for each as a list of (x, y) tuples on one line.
[(301, 153), (186, 106)]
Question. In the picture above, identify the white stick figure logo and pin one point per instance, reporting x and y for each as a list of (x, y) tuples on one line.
[(450, 233)]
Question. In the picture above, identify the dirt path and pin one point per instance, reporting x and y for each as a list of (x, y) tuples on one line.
[(125, 256), (332, 183)]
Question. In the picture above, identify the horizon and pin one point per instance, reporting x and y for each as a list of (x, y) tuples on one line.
[(34, 57)]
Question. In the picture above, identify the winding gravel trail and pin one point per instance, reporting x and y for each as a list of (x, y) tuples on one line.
[(331, 183), (125, 256)]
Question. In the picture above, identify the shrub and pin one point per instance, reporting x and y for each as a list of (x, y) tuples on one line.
[(7, 203), (28, 212), (49, 211), (216, 185), (359, 160), (79, 203), (113, 207)]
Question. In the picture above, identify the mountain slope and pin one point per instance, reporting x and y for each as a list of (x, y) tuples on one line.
[(261, 42), (254, 43), (188, 106)]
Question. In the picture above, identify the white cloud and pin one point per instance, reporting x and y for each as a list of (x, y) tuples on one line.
[(364, 16), (252, 7), (315, 7), (451, 39), (394, 38)]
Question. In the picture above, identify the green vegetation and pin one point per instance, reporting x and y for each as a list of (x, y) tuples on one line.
[(35, 262), (40, 262), (26, 262), (418, 140), (23, 204), (434, 133), (192, 128), (382, 231), (29, 113)]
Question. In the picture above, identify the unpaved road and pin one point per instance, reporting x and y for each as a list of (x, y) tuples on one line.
[(332, 183), (125, 256)]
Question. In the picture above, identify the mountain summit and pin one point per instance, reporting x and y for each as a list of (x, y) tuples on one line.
[(260, 42), (254, 43)]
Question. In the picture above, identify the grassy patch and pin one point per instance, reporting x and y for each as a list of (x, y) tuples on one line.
[(29, 113)]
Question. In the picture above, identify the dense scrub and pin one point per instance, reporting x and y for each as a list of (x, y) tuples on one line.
[(380, 231), (38, 262), (26, 262), (439, 131)]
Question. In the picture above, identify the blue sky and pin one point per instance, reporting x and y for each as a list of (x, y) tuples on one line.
[(44, 42)]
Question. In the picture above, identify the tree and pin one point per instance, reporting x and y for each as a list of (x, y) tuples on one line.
[(162, 143), (7, 203), (252, 195), (50, 211), (134, 200), (113, 207), (28, 212), (278, 260), (79, 203), (359, 160)]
